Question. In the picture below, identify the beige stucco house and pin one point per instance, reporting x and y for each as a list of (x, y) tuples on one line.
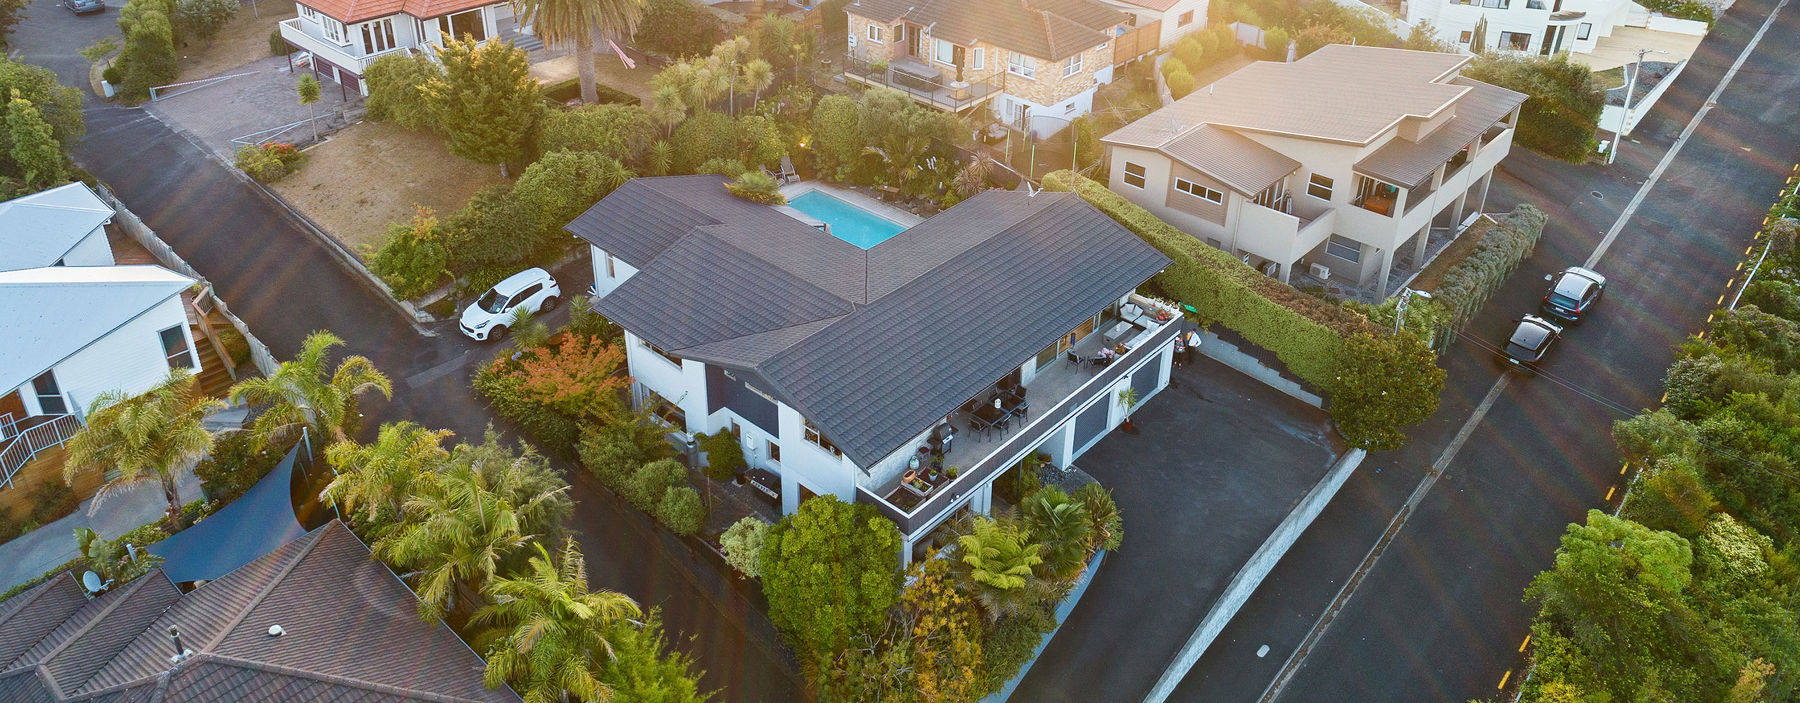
[(1037, 63), (1169, 19), (1336, 165)]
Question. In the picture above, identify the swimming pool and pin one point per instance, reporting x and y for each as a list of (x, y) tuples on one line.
[(848, 222)]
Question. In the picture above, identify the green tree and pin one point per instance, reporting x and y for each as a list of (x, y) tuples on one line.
[(743, 545), (562, 185), (202, 19), (149, 56), (144, 439), (1061, 524), (681, 511), (1108, 527), (836, 134), (1381, 385), (308, 91), (412, 259), (622, 132), (300, 394), (491, 230), (485, 100), (650, 483), (550, 634), (58, 104), (33, 145), (705, 136), (566, 22), (376, 479), (677, 28), (397, 90), (724, 457), (760, 141), (830, 573), (997, 564), (1562, 112), (644, 668)]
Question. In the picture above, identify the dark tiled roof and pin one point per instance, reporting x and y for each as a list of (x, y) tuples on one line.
[(28, 617), (352, 633), (952, 303), (1045, 29), (1410, 164)]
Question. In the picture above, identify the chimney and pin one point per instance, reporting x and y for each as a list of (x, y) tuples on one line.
[(180, 651)]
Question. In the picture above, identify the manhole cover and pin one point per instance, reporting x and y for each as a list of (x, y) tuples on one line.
[(1597, 195)]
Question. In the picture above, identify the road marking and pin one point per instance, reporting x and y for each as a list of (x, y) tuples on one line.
[(1522, 645), (1740, 265), (1503, 679), (1731, 281), (1609, 494), (1625, 468), (1720, 301), (1749, 249)]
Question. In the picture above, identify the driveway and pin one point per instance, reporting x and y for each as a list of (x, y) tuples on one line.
[(256, 105), (1218, 461)]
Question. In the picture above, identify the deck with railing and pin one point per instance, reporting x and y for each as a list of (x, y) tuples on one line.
[(25, 439), (954, 96)]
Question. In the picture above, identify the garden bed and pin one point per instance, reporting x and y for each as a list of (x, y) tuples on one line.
[(1432, 275)]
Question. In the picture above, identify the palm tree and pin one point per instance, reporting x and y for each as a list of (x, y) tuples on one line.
[(299, 394), (575, 22), (667, 107), (379, 476), (144, 439), (1062, 524), (995, 562), (757, 76), (550, 631)]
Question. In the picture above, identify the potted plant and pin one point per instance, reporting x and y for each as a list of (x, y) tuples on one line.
[(1128, 399), (953, 471)]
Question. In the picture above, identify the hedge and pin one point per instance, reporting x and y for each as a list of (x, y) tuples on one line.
[(1503, 244), (1306, 333)]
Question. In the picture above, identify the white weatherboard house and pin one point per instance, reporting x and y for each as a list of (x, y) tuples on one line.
[(342, 37), (1337, 165), (840, 366), (1542, 27), (62, 226)]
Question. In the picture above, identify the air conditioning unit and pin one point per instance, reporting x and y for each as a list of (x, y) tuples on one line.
[(1319, 271)]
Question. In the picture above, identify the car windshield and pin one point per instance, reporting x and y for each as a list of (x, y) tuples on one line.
[(1561, 300), (492, 301)]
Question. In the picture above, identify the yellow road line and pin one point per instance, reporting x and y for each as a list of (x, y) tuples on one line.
[(1665, 397), (1624, 468), (1740, 266), (1748, 248), (1731, 282), (1526, 642), (1609, 492), (1720, 301), (1503, 679)]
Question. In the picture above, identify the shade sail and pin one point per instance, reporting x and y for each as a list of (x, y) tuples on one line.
[(251, 526)]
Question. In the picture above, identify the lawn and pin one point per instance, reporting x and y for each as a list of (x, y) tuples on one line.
[(244, 39), (371, 174)]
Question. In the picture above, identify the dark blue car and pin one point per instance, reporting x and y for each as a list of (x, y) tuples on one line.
[(1573, 292)]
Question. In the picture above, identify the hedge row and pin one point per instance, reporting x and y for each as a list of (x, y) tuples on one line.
[(1306, 333), (1503, 245)]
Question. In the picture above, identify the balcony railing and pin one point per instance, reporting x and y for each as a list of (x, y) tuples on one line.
[(955, 96), (21, 448), (1026, 440), (325, 49)]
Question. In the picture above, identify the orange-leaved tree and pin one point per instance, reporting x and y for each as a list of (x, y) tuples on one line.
[(580, 376)]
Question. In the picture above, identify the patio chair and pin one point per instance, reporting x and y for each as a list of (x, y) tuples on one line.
[(788, 174)]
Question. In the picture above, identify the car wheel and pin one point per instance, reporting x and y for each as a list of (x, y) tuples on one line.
[(549, 304), (497, 334)]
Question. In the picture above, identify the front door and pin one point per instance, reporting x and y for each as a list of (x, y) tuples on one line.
[(913, 43)]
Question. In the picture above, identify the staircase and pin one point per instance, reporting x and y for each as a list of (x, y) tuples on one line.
[(214, 380), (509, 32)]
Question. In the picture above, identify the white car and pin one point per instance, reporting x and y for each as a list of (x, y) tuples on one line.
[(531, 289)]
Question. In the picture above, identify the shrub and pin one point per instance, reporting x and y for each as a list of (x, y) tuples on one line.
[(1009, 643), (727, 167), (647, 486), (554, 432), (202, 19), (614, 452), (1382, 384), (677, 28), (1181, 83), (269, 162), (743, 545), (724, 455), (760, 141), (112, 75), (1469, 283), (561, 186), (52, 500), (1563, 112), (491, 230), (681, 511), (837, 141), (277, 45), (1108, 527), (579, 377), (757, 187), (622, 132), (703, 137), (234, 465), (829, 571), (1276, 41), (485, 100), (149, 56), (1313, 37), (412, 259), (1684, 9), (396, 90), (584, 320)]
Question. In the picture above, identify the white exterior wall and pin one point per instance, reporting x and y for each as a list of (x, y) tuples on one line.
[(685, 386), (1450, 20), (604, 282), (1050, 119), (128, 359)]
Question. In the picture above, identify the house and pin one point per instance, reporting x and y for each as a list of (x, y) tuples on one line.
[(1036, 63), (316, 620), (1538, 26), (841, 369), (62, 226), (340, 38), (1168, 20), (1338, 164)]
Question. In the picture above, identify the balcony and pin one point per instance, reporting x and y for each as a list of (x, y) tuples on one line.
[(294, 31), (1058, 390), (916, 79)]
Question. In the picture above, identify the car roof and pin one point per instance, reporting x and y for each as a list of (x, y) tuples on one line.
[(1572, 284), (1531, 333), (518, 281)]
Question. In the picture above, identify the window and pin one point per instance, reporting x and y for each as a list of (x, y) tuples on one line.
[(1465, 37), (610, 271), (1344, 248), (1496, 4), (309, 13), (1319, 186), (667, 411), (774, 452), (899, 33), (1071, 66), (1134, 175), (943, 51), (1534, 4), (378, 36), (1021, 65), (175, 348), (875, 34), (1069, 109), (1515, 41), (1185, 19), (334, 30), (49, 395), (978, 59), (1583, 31), (673, 359), (818, 438), (463, 24), (1199, 191)]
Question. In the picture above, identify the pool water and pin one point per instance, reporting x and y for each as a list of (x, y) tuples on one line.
[(848, 222)]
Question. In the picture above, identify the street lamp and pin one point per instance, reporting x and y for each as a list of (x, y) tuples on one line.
[(1630, 87), (1400, 307)]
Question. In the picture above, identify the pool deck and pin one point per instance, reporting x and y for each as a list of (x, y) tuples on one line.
[(886, 211)]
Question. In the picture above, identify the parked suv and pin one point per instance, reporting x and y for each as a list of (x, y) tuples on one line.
[(82, 7), (1530, 341), (532, 289), (1572, 293)]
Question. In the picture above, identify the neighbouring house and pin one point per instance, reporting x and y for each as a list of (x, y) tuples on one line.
[(1036, 63), (62, 226), (1338, 165), (340, 38), (1165, 21), (1542, 27), (318, 619), (842, 368)]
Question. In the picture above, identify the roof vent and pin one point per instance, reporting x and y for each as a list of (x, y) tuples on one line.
[(180, 651), (276, 631)]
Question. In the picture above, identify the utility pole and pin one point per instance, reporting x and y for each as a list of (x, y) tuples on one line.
[(1625, 114)]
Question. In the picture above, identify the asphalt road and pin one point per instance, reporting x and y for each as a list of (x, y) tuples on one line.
[(1439, 616), (286, 284)]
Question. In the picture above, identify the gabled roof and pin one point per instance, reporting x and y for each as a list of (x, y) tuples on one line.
[(348, 11), (1340, 93), (1236, 160), (1047, 29), (945, 308), (55, 311), (1410, 164), (351, 633), (39, 229)]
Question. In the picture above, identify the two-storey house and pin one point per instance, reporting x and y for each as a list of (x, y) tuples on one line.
[(1336, 164), (342, 37), (1542, 27), (1037, 63), (908, 375)]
